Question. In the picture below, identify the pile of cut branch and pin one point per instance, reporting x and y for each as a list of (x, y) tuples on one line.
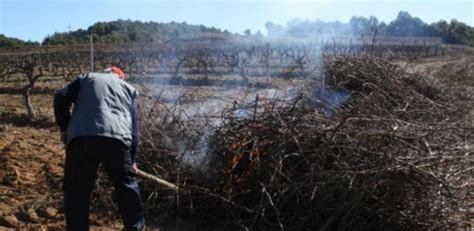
[(395, 155)]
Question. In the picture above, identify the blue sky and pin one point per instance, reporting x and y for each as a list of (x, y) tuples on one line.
[(35, 19)]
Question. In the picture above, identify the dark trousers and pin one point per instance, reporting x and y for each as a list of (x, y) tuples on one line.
[(83, 156)]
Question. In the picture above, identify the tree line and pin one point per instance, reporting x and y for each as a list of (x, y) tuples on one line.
[(128, 31), (119, 31), (14, 42), (405, 25)]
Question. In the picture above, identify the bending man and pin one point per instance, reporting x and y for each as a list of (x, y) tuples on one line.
[(103, 128)]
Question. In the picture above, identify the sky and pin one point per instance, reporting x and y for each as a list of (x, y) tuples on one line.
[(35, 19)]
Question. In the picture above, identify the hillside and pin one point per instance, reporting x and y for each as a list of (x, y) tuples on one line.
[(127, 31)]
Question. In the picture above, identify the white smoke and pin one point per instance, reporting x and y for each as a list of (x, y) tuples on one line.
[(201, 107)]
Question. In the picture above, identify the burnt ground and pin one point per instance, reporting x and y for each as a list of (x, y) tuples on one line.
[(31, 155)]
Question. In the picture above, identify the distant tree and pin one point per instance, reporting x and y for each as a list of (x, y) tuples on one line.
[(258, 34), (274, 29), (382, 29), (406, 25), (360, 25), (455, 32), (247, 32)]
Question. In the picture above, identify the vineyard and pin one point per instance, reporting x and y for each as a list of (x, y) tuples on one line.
[(259, 135)]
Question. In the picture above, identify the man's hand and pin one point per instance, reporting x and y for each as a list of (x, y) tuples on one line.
[(134, 167), (63, 137)]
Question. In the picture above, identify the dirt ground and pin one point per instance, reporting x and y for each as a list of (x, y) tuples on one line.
[(32, 156)]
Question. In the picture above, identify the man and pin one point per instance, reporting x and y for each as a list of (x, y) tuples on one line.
[(103, 128)]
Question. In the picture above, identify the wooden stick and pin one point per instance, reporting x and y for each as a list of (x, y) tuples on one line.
[(155, 179)]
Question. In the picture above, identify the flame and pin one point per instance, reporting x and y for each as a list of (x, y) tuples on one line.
[(242, 159), (246, 147)]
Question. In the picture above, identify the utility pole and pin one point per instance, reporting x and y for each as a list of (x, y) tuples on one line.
[(267, 62), (92, 53)]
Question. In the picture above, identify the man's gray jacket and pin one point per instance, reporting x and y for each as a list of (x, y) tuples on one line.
[(104, 105)]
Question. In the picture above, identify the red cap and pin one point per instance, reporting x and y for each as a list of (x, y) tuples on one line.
[(118, 72)]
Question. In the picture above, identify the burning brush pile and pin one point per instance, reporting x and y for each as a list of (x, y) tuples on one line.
[(394, 155)]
